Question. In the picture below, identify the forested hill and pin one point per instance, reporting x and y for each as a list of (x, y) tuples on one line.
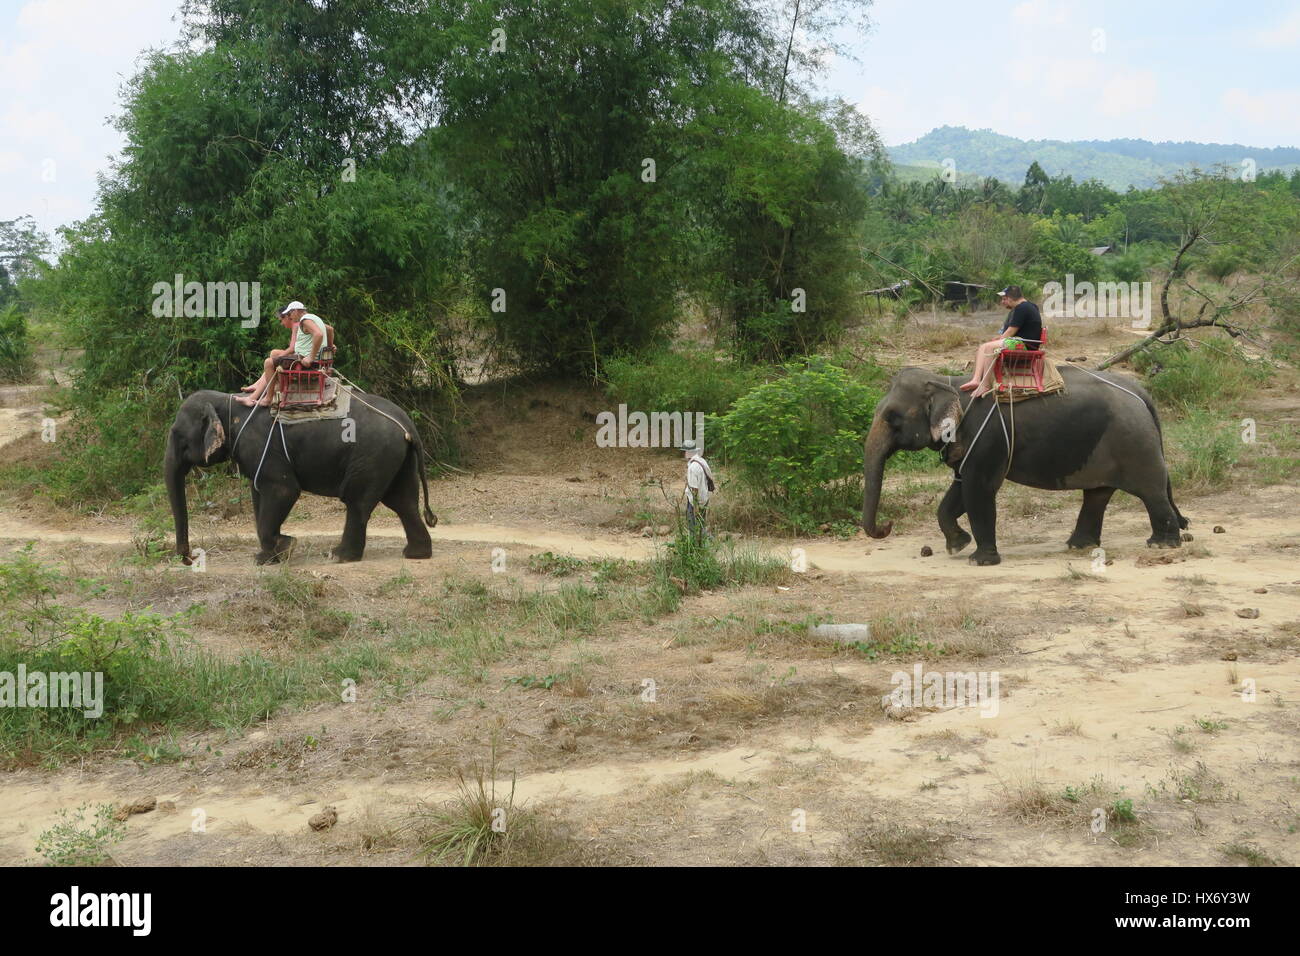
[(1119, 163)]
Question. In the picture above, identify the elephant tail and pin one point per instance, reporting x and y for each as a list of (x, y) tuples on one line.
[(417, 447), (1169, 485), (1169, 490)]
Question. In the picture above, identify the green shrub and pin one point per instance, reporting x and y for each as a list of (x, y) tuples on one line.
[(796, 442), (690, 563), (1187, 378), (692, 380), (153, 674), (15, 350), (1125, 267), (76, 841), (1202, 451)]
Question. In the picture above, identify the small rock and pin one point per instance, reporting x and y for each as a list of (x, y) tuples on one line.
[(926, 551), (166, 806), (647, 532), (324, 820), (824, 527), (1230, 656), (1187, 536), (1249, 613), (574, 478), (1261, 590), (143, 805), (568, 743), (1218, 529), (841, 633), (1078, 358)]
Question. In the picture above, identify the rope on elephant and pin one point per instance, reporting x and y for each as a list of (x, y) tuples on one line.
[(283, 443), (1110, 383), (230, 412), (380, 411), (980, 432)]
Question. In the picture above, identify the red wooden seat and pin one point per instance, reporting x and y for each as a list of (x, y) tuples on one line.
[(1019, 358), (305, 387)]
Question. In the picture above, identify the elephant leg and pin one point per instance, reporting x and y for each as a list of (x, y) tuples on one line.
[(404, 499), (1164, 520), (353, 545), (980, 498), (270, 508), (1087, 530), (950, 509)]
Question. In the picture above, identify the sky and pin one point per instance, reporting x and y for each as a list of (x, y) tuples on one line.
[(1202, 70)]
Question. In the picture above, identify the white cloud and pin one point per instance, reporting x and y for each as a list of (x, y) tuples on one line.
[(1285, 34), (1040, 13), (62, 63), (1275, 114), (1129, 91)]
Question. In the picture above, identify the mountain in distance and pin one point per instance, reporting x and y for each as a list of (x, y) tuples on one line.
[(1119, 163)]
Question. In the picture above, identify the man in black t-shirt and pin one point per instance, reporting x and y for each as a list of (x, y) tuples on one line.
[(1024, 326)]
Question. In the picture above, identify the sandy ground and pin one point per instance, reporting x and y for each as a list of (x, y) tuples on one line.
[(1136, 680)]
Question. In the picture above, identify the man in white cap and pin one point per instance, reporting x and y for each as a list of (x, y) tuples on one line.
[(699, 485), (310, 335)]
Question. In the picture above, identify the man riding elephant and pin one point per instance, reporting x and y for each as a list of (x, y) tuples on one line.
[(1100, 435), (310, 335)]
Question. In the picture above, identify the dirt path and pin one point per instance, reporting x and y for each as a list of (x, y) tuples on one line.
[(1129, 677), (1129, 686)]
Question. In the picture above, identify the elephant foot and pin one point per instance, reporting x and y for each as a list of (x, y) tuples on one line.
[(958, 541), (985, 558), (1082, 544), (345, 555), (283, 548), (418, 551), (1156, 541)]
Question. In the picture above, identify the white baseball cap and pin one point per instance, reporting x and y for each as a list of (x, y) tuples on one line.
[(295, 304)]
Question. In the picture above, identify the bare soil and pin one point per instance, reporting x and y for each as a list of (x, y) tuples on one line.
[(1130, 680)]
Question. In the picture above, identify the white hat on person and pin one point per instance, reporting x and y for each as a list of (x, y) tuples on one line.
[(295, 304)]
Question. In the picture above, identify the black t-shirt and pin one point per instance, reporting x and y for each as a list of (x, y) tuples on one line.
[(1026, 318)]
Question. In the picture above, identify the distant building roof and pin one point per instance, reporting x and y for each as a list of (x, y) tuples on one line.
[(1100, 250)]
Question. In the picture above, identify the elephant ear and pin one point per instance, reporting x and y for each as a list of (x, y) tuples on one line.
[(944, 412), (214, 437)]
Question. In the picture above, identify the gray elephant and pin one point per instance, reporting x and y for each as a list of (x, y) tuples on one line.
[(1100, 435), (362, 460)]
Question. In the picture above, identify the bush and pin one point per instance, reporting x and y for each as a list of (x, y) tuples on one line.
[(1125, 267), (688, 381), (691, 563), (1188, 378), (796, 442), (1202, 452), (15, 350), (152, 673)]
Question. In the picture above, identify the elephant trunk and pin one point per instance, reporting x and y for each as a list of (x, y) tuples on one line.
[(879, 446), (175, 468)]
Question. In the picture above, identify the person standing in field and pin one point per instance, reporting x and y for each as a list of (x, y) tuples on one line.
[(699, 486)]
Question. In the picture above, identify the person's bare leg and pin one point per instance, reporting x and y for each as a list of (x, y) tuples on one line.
[(984, 368), (260, 384), (259, 396), (983, 359)]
